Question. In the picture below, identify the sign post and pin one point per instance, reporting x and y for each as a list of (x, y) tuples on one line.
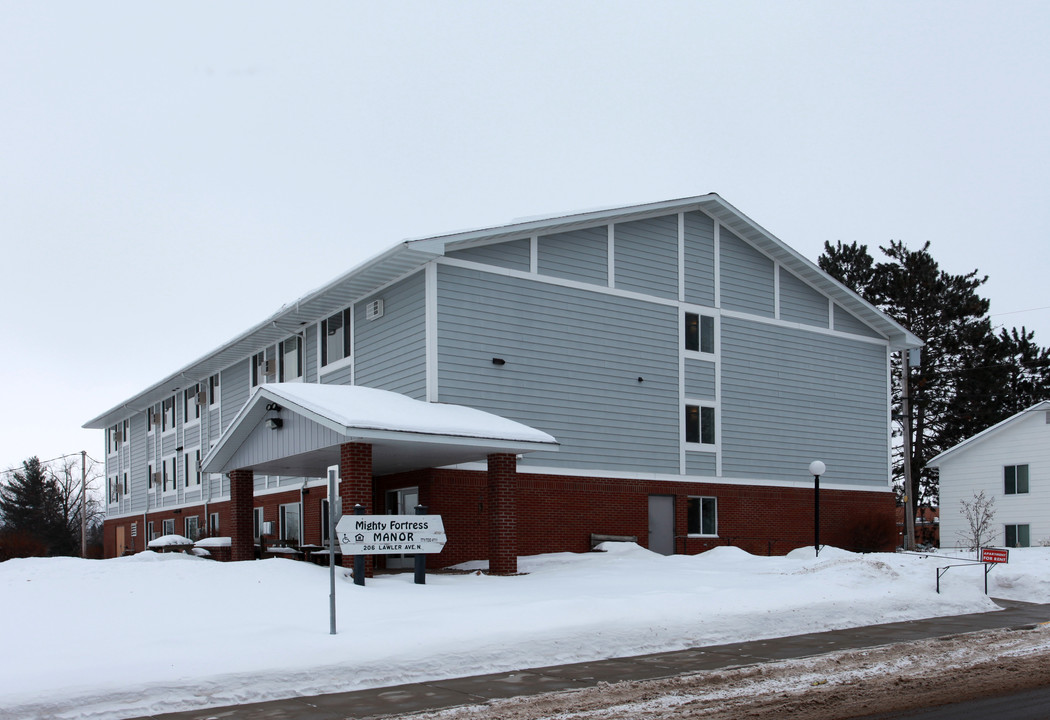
[(331, 546), (992, 557), (361, 535)]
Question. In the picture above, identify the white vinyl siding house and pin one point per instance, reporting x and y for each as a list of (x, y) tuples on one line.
[(1010, 463)]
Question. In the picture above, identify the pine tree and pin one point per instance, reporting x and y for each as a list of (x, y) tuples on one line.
[(34, 512), (956, 390)]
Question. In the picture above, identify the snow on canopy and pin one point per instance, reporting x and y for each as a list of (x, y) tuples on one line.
[(359, 407)]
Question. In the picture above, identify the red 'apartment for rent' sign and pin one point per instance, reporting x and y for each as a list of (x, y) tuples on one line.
[(994, 555)]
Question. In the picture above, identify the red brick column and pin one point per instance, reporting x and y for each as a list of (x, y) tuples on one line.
[(503, 518), (242, 498), (355, 486)]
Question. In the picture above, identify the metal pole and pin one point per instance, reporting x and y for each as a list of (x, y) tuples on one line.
[(909, 499), (83, 503), (359, 560), (816, 513), (420, 558), (331, 549)]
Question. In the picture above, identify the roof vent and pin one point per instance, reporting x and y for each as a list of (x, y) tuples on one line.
[(374, 309)]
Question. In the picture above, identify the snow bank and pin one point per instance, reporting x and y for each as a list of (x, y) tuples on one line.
[(168, 632)]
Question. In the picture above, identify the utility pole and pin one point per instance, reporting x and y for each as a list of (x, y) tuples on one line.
[(83, 503), (909, 499)]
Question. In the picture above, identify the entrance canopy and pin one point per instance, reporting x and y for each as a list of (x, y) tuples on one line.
[(297, 429)]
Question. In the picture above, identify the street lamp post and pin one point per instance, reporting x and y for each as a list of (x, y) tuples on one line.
[(816, 469)]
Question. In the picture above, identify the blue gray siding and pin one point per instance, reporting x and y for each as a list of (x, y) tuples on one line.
[(746, 277), (790, 397), (390, 351), (310, 354), (646, 256), (800, 303), (138, 462), (699, 259), (299, 434), (699, 379), (513, 255), (236, 385), (581, 255), (573, 363), (342, 376), (846, 322), (700, 464)]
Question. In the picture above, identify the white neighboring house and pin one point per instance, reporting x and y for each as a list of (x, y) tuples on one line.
[(1010, 461)]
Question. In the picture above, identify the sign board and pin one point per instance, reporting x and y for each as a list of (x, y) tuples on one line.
[(390, 534), (995, 555)]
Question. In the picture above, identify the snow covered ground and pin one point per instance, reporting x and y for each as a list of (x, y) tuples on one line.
[(159, 633)]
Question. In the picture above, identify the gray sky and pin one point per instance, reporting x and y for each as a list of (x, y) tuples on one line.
[(171, 173)]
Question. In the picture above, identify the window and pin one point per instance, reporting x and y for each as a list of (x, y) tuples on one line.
[(1015, 480), (700, 424), (149, 418), (167, 417), (1017, 536), (335, 337), (290, 523), (291, 359), (149, 476), (169, 526), (213, 389), (191, 473), (191, 528), (190, 409), (325, 527), (113, 488), (213, 524), (150, 535), (699, 333), (257, 522), (703, 516), (125, 483), (168, 472)]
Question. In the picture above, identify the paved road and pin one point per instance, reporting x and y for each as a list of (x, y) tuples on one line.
[(1026, 705), (418, 697)]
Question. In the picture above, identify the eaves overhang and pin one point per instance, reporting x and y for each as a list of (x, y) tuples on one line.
[(287, 321), (938, 460)]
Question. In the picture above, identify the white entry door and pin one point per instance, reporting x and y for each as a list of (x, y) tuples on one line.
[(401, 502)]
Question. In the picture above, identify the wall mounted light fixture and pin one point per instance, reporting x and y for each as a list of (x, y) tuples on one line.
[(499, 361)]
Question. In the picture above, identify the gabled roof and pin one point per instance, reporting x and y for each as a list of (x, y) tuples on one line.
[(409, 255), (405, 434), (986, 434)]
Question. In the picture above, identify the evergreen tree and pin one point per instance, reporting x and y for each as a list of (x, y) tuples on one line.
[(34, 511), (958, 389)]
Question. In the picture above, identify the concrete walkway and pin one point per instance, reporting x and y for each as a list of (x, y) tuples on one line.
[(438, 694)]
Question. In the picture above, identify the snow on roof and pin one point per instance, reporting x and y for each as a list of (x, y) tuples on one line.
[(214, 542), (364, 408), (169, 540)]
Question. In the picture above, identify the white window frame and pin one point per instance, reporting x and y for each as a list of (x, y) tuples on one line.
[(296, 353), (258, 518), (1027, 480), (214, 390), (165, 526), (702, 406), (196, 527), (347, 315), (701, 315), (213, 524), (282, 530), (189, 398), (191, 462), (150, 534), (173, 461), (700, 520), (164, 418), (1016, 527)]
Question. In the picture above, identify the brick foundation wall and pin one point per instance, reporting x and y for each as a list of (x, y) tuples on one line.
[(559, 513)]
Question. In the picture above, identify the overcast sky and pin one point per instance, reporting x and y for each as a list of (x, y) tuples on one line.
[(171, 173)]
